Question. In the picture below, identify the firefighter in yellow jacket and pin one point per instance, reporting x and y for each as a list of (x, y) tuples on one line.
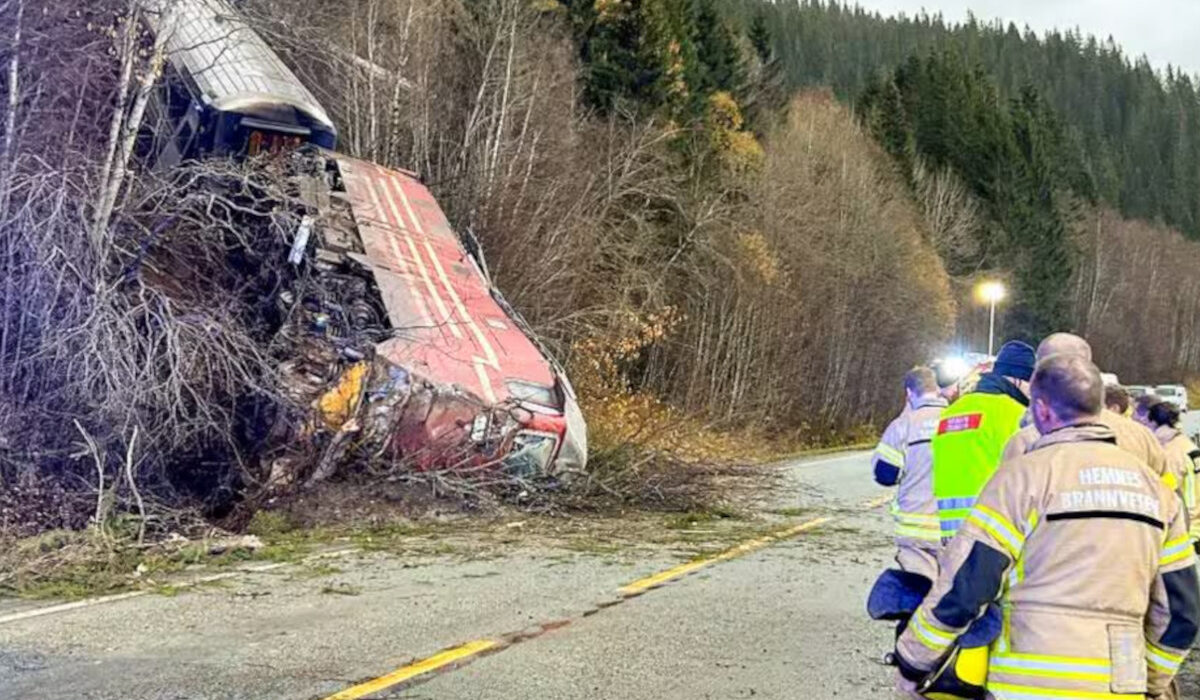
[(1183, 457), (1131, 436), (973, 431), (1086, 551)]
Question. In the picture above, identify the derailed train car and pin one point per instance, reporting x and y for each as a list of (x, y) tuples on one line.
[(458, 380), (453, 377), (224, 92)]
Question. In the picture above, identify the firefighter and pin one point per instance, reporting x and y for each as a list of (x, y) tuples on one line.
[(973, 431), (1131, 436), (1183, 457), (1087, 552), (903, 459), (1117, 400)]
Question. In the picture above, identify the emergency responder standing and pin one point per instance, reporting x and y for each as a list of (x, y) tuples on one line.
[(904, 458), (1131, 436), (1085, 549), (1117, 400), (1183, 457), (973, 431)]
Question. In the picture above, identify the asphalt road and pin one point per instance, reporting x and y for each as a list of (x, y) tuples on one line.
[(784, 617), (785, 622), (781, 619)]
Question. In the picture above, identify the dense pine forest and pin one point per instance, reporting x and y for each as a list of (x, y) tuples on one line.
[(1049, 134), (1015, 145), (1134, 131)]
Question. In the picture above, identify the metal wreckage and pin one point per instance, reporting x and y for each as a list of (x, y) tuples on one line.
[(399, 347), (404, 350)]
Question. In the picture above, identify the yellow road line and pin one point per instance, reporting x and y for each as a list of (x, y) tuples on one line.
[(645, 584), (471, 649), (415, 669)]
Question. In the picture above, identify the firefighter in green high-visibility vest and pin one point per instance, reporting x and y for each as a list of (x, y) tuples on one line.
[(972, 433)]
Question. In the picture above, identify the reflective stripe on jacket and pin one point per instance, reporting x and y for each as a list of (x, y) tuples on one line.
[(1087, 552), (915, 507), (1177, 448), (1182, 456), (888, 459)]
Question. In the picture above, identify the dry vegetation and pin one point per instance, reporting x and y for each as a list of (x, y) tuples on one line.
[(716, 293), (721, 291), (1137, 297), (128, 332)]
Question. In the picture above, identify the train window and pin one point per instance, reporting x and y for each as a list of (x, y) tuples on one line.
[(266, 142), (530, 392), (264, 137), (180, 145), (178, 96)]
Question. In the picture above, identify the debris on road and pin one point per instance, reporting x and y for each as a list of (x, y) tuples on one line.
[(248, 543)]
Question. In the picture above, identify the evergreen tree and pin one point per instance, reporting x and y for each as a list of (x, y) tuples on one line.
[(609, 40), (717, 51), (883, 106), (1010, 154), (761, 39), (1130, 134)]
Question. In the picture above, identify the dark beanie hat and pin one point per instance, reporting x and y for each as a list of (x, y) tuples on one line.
[(1016, 360)]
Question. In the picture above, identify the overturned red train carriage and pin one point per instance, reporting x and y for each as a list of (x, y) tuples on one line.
[(488, 392), (456, 378)]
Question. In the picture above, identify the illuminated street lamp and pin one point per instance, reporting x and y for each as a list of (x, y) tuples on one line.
[(991, 293)]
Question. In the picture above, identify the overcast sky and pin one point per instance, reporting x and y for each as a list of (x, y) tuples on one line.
[(1167, 31)]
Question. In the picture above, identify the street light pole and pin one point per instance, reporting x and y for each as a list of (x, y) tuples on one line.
[(992, 293), (992, 328)]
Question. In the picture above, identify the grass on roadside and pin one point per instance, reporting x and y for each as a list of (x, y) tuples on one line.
[(69, 565), (77, 564), (72, 565)]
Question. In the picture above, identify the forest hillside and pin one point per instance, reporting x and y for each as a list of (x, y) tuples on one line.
[(735, 223)]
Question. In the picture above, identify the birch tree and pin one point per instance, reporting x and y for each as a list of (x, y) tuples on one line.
[(133, 96)]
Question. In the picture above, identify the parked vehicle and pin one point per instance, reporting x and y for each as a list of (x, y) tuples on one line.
[(1138, 390), (1173, 393)]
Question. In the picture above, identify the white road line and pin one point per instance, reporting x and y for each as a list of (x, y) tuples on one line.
[(65, 607), (843, 458), (116, 597)]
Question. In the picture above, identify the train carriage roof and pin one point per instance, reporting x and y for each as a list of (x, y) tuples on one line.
[(231, 64)]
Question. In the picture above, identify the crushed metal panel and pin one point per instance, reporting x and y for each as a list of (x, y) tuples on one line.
[(437, 301)]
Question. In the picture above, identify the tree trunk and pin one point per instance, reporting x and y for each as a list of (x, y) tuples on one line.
[(132, 125), (14, 101)]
